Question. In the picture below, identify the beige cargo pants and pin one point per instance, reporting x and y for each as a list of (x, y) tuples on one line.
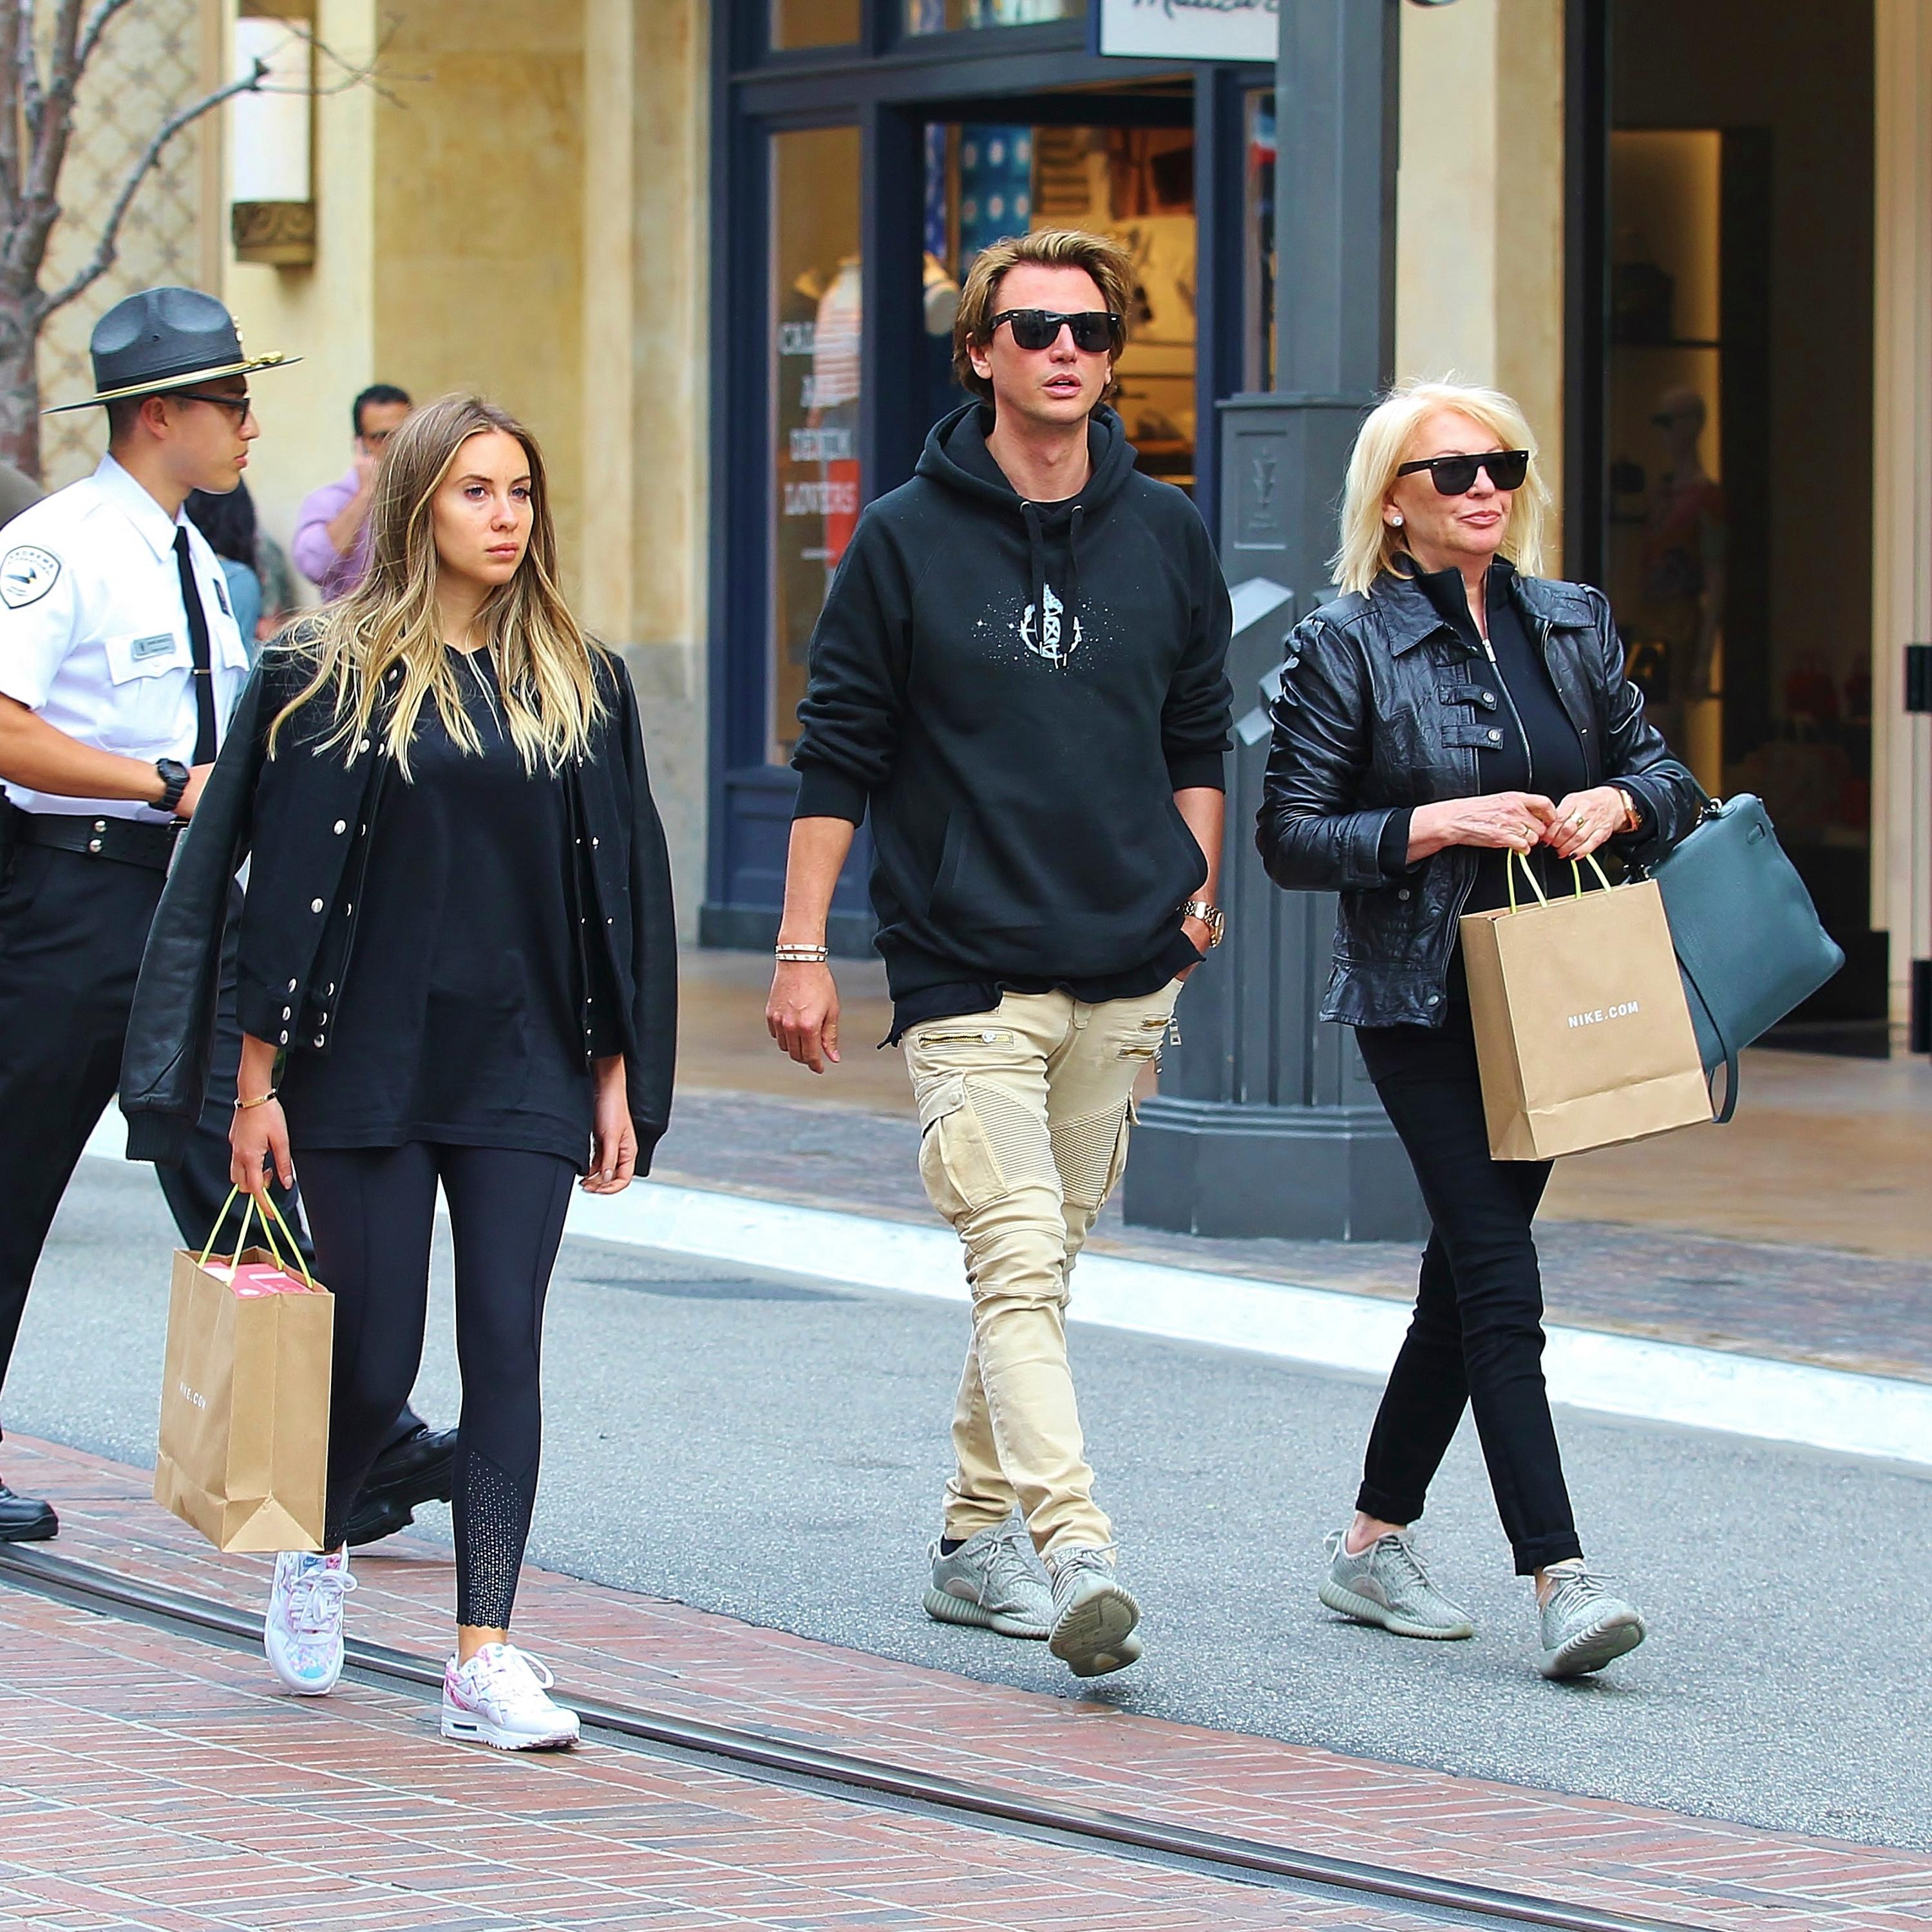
[(1025, 1113)]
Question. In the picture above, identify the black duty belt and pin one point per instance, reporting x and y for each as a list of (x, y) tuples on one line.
[(122, 839)]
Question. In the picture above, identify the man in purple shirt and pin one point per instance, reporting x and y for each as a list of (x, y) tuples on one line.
[(332, 541)]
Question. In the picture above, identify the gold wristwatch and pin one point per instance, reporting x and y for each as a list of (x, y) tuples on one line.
[(1210, 916)]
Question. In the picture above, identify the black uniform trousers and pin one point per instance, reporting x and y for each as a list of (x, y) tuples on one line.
[(72, 932)]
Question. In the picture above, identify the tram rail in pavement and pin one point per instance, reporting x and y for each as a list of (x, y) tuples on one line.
[(856, 1776)]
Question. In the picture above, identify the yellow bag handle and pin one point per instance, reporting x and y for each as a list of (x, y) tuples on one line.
[(1536, 885), (268, 1234)]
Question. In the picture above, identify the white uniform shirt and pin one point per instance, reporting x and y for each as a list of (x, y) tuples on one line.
[(93, 635)]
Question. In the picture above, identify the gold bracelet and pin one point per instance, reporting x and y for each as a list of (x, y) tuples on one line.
[(242, 1106)]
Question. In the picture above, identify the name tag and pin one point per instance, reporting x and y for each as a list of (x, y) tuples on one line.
[(152, 647)]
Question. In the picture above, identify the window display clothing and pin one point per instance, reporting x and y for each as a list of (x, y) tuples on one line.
[(469, 1034)]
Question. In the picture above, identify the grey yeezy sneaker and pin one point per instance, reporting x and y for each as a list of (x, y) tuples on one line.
[(1093, 1617), (1387, 1585), (992, 1581), (1585, 1626)]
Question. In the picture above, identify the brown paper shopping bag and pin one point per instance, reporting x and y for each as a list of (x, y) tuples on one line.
[(1583, 1036), (244, 1450)]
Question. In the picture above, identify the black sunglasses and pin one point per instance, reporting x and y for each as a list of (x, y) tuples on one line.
[(1095, 330), (242, 406), (1456, 475)]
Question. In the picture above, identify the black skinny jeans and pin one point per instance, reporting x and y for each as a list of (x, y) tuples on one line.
[(1476, 1339), (372, 1212)]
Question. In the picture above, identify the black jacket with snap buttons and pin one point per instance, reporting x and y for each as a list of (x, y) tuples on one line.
[(304, 817), (1385, 706)]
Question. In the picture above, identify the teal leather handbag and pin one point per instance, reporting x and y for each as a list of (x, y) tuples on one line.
[(1747, 937)]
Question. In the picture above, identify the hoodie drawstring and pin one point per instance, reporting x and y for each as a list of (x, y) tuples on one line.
[(1073, 561), (1036, 561)]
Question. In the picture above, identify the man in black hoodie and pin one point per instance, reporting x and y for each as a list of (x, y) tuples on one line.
[(1018, 672)]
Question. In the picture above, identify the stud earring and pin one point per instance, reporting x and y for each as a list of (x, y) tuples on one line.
[(1396, 521)]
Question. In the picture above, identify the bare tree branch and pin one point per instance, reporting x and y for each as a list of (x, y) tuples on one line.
[(33, 105), (56, 128), (10, 106), (102, 260), (104, 11)]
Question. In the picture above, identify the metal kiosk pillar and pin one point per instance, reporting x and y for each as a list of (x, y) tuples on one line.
[(1266, 1123)]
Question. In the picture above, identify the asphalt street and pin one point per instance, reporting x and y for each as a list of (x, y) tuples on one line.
[(776, 1451)]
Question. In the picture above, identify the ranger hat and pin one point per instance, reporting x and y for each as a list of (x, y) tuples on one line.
[(165, 339)]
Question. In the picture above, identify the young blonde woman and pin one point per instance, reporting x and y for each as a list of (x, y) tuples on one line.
[(456, 968), (1450, 708)]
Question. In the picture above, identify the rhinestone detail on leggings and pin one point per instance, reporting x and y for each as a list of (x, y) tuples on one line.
[(493, 1523)]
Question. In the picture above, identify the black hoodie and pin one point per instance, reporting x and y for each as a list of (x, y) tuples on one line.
[(1017, 691)]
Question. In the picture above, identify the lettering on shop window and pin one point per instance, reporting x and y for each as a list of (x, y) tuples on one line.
[(821, 445), (827, 498)]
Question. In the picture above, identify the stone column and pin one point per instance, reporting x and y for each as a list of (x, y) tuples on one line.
[(1265, 1124)]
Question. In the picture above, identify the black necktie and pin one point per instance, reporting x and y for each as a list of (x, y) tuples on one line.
[(197, 643)]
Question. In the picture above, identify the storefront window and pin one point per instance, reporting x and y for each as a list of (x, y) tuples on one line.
[(987, 180), (814, 377), (1258, 243), (945, 17), (813, 23)]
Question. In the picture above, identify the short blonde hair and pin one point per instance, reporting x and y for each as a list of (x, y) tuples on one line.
[(1370, 547), (1103, 258)]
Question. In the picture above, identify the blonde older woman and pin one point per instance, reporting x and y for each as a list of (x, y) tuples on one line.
[(1450, 707)]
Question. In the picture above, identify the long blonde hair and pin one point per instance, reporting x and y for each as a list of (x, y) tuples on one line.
[(1370, 548), (545, 665)]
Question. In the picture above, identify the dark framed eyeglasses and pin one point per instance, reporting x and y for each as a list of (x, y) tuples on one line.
[(1095, 331), (244, 407), (1456, 475)]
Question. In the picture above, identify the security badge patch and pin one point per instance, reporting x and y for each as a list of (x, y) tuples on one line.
[(27, 574)]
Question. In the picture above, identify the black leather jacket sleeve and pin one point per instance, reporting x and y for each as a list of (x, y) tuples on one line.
[(652, 1065), (1314, 833), (171, 1027)]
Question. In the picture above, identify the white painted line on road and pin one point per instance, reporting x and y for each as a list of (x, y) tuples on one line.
[(1616, 1374)]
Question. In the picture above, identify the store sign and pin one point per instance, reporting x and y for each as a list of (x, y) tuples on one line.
[(1189, 30)]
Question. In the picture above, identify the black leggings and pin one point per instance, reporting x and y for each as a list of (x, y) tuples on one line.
[(1476, 1339), (372, 1212)]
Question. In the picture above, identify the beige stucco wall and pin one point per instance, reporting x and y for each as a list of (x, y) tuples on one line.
[(1479, 237), (324, 314), (479, 219)]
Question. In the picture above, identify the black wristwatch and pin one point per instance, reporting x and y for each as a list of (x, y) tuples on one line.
[(175, 776)]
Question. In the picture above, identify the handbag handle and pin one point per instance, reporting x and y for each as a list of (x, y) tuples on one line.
[(268, 1234)]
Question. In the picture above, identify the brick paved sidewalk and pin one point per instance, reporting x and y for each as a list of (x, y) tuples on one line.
[(163, 1778)]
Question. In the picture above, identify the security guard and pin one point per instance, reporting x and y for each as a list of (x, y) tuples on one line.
[(120, 664), (119, 661)]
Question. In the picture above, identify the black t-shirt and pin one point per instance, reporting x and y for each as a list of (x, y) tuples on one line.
[(460, 1023), (1537, 749)]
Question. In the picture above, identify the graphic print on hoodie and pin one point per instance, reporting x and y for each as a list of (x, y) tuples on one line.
[(1015, 691)]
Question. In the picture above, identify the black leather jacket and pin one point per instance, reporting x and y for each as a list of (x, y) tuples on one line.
[(1383, 706), (305, 816)]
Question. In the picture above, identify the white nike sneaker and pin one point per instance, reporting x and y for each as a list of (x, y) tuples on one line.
[(302, 1631), (497, 1698)]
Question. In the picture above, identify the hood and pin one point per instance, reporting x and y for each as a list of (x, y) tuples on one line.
[(955, 457)]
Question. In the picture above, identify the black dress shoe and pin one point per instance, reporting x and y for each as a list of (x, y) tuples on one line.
[(418, 1469), (25, 1518)]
